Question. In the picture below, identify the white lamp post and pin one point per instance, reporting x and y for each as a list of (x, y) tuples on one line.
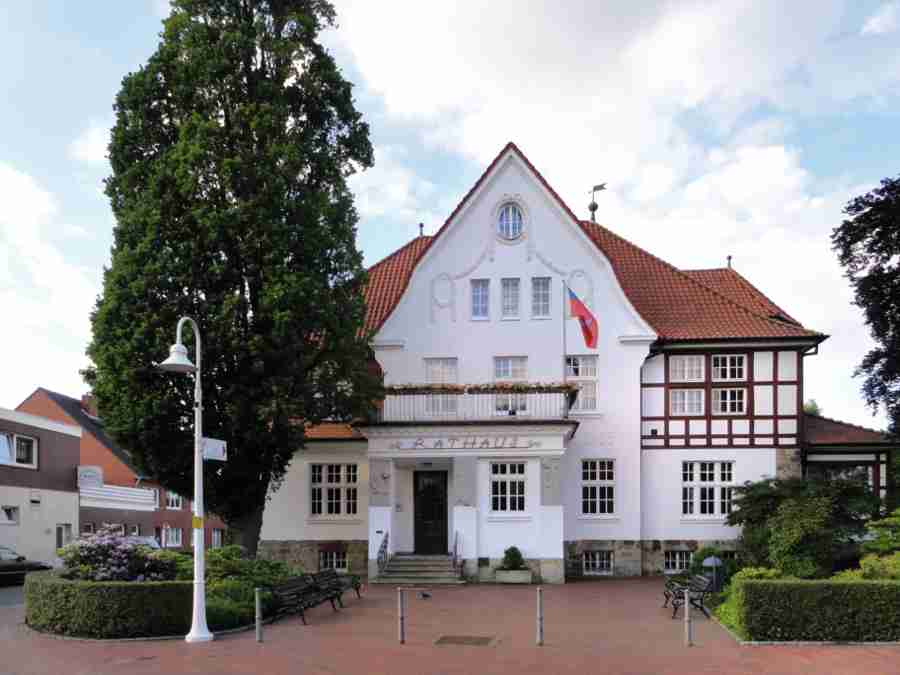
[(178, 362)]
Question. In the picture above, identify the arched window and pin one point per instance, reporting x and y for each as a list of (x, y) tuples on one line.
[(509, 223)]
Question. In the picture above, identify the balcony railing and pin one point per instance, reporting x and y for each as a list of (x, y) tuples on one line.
[(453, 403)]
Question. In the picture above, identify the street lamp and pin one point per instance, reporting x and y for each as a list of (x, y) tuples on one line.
[(178, 362)]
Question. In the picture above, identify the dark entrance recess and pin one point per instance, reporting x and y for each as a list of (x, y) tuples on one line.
[(430, 512)]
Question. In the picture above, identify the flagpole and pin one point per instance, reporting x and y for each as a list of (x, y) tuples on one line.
[(564, 361)]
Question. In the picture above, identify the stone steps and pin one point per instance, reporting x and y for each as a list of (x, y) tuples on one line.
[(411, 570)]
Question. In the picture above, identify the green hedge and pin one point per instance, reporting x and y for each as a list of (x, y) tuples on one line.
[(107, 609), (787, 610)]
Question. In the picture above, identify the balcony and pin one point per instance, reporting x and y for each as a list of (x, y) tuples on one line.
[(494, 403)]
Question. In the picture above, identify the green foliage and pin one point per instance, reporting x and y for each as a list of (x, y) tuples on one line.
[(867, 244), (513, 560), (874, 567), (885, 533), (230, 154), (726, 571), (106, 609), (182, 562), (230, 563), (821, 610), (731, 611), (106, 556), (812, 407), (800, 543), (753, 546)]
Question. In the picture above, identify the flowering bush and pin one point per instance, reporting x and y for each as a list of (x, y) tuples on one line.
[(109, 556)]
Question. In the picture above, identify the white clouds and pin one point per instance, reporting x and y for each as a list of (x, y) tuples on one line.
[(885, 20), (46, 298), (90, 145)]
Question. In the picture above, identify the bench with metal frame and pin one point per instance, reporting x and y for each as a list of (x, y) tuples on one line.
[(699, 585), (298, 594)]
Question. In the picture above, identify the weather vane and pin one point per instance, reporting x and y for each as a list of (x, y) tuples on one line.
[(592, 207)]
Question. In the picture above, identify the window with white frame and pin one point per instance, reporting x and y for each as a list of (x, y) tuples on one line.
[(510, 369), (115, 528), (508, 487), (582, 372), (729, 401), (134, 530), (217, 537), (9, 515), (686, 401), (706, 489), (597, 562), (171, 536), (481, 298), (334, 489), (333, 560), (686, 368), (18, 450), (63, 534), (727, 367), (598, 487), (87, 528), (509, 222), (441, 371), (540, 297), (509, 296), (677, 561), (174, 501)]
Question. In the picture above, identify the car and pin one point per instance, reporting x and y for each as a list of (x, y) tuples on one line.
[(13, 566)]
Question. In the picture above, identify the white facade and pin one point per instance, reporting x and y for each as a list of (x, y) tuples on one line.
[(45, 519)]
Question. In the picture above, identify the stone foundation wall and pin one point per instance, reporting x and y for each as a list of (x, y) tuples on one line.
[(543, 570), (788, 463), (634, 558), (654, 551), (305, 554)]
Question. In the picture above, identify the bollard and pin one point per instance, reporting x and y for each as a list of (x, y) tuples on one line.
[(688, 628), (401, 617), (539, 638), (259, 617)]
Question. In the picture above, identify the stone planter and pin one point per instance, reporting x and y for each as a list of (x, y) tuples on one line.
[(512, 576)]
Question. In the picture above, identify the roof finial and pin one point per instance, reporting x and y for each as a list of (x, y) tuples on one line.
[(592, 207), (421, 229), (729, 262)]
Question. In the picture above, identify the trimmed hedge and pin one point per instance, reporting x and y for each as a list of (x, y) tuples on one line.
[(107, 609), (788, 610)]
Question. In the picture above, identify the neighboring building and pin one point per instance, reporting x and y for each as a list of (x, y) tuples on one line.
[(113, 493), (38, 492), (695, 386)]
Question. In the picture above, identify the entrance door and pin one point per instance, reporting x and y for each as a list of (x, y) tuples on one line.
[(430, 512)]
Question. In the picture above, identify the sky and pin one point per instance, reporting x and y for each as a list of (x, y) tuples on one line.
[(721, 128)]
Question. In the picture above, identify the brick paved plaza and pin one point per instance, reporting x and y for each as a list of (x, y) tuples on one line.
[(614, 626)]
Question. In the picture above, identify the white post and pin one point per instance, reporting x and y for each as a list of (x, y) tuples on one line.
[(199, 630), (688, 636), (539, 639), (258, 599), (401, 617)]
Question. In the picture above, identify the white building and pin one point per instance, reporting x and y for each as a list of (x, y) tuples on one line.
[(695, 385)]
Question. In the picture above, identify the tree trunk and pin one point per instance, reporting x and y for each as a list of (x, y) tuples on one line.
[(247, 529), (892, 468)]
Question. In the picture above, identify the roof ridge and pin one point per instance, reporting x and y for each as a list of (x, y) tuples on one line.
[(400, 250), (846, 424), (693, 280)]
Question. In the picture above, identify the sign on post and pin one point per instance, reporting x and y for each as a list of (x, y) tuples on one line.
[(214, 449)]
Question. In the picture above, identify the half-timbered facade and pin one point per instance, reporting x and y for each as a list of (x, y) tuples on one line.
[(502, 427)]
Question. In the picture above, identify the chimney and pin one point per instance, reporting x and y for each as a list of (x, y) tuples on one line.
[(421, 229), (729, 262), (89, 404)]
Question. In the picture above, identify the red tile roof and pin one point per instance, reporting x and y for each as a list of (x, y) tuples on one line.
[(678, 305), (824, 431), (331, 431)]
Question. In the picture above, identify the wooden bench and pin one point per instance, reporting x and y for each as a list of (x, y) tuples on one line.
[(341, 583), (699, 585), (298, 594)]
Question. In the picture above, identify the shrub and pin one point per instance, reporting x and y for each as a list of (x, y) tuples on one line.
[(885, 534), (107, 556), (106, 609), (242, 593), (513, 560), (183, 563), (821, 610), (800, 543), (731, 611), (222, 613), (880, 567), (726, 571)]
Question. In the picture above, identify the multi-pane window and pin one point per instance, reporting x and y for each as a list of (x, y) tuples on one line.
[(17, 450), (509, 222), (510, 369), (598, 487), (540, 297), (510, 298), (63, 534), (171, 536), (582, 372), (728, 367), (677, 561), (480, 298), (174, 501), (87, 528), (508, 487), (706, 489), (686, 401), (441, 371), (217, 537), (334, 490), (597, 562), (729, 401), (333, 560), (134, 530), (686, 368)]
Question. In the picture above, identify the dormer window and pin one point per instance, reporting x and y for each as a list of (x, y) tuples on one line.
[(509, 222)]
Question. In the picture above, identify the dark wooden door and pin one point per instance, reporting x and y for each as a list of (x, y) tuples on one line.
[(430, 512)]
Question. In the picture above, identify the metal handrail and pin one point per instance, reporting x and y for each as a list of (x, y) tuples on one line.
[(383, 555), (474, 406), (457, 566)]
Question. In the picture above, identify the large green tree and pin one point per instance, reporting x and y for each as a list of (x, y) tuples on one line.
[(868, 247), (229, 155)]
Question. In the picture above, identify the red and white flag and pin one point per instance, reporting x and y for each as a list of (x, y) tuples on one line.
[(589, 326)]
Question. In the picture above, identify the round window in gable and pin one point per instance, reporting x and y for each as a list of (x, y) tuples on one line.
[(509, 222)]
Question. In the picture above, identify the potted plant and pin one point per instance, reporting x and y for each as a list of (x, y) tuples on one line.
[(513, 569)]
